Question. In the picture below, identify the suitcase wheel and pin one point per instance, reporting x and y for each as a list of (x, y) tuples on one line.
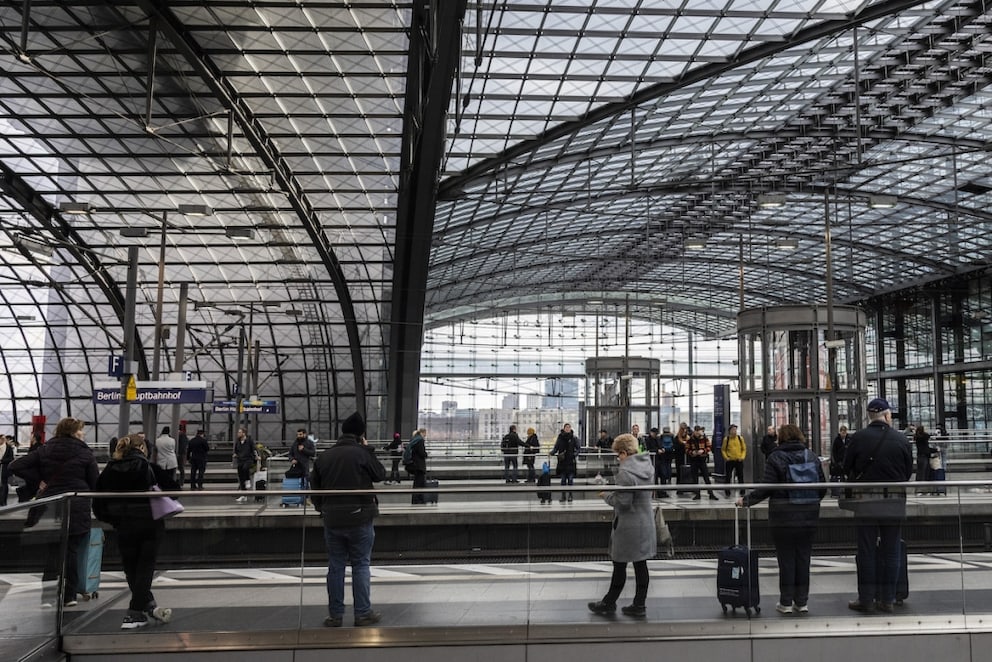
[(724, 608)]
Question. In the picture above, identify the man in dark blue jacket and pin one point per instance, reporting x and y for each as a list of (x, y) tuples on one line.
[(878, 454), (350, 464)]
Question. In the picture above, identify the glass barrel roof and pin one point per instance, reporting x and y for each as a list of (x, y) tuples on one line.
[(596, 151)]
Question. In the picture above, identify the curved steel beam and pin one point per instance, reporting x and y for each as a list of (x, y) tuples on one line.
[(511, 171), (819, 31), (222, 88), (701, 187), (14, 186)]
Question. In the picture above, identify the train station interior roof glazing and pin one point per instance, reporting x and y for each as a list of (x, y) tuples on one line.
[(306, 166)]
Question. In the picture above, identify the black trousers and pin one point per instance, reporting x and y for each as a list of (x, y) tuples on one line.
[(139, 543), (419, 483), (641, 579), (197, 469), (793, 549), (55, 562)]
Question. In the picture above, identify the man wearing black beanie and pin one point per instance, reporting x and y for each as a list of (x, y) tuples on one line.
[(350, 464)]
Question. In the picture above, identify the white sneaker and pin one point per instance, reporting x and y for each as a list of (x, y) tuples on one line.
[(803, 609), (241, 499), (783, 609)]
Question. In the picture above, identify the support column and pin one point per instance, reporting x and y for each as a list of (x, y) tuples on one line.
[(434, 51)]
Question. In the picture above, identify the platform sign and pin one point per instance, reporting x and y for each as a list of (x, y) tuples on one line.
[(151, 393), (246, 407), (115, 365), (721, 421)]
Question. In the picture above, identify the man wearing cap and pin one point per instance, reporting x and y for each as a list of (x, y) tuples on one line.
[(878, 454), (350, 464)]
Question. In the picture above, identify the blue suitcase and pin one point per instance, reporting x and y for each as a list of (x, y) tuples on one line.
[(292, 499), (89, 560)]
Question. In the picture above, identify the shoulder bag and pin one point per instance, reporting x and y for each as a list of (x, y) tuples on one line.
[(164, 507), (877, 502)]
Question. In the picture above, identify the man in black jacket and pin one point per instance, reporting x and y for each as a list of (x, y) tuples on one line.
[(878, 454), (300, 453), (350, 464), (510, 445)]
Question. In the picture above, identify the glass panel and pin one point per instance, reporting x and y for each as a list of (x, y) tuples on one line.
[(31, 562), (535, 563)]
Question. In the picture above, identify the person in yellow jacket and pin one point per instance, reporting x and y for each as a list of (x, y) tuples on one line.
[(734, 451)]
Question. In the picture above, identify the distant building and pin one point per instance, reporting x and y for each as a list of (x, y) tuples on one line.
[(560, 393)]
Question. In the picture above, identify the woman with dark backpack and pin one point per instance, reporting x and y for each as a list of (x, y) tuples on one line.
[(792, 515)]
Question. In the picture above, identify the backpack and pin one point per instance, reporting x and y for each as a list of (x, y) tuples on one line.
[(804, 472), (408, 454), (667, 442), (504, 444)]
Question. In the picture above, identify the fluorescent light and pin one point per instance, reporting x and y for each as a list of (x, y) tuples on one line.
[(882, 201), (33, 246), (771, 200), (25, 318), (136, 233), (195, 210), (695, 243), (239, 233), (294, 312), (787, 244), (74, 207)]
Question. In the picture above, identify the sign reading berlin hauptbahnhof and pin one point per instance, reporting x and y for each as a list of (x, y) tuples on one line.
[(246, 406), (153, 393)]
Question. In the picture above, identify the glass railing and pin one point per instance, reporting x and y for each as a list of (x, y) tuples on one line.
[(487, 561)]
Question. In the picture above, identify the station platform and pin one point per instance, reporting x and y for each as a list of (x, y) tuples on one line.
[(507, 611), (495, 573)]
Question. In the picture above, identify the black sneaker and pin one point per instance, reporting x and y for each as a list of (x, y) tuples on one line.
[(370, 618), (601, 607), (634, 610), (333, 621), (864, 608), (134, 622)]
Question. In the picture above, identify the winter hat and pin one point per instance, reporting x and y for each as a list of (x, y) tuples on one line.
[(354, 424)]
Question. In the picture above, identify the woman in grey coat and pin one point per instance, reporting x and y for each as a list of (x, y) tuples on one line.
[(633, 537)]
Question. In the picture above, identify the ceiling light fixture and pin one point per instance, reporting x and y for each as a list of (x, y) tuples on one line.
[(695, 244), (239, 233), (75, 208), (771, 200), (787, 244), (134, 233), (882, 201), (195, 210)]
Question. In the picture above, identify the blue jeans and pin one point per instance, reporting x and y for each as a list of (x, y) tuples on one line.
[(886, 536), (350, 545)]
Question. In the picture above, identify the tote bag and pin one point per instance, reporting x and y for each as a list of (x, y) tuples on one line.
[(164, 507)]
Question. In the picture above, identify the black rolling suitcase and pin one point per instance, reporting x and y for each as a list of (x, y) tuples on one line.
[(544, 480), (737, 573), (684, 478), (430, 497)]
